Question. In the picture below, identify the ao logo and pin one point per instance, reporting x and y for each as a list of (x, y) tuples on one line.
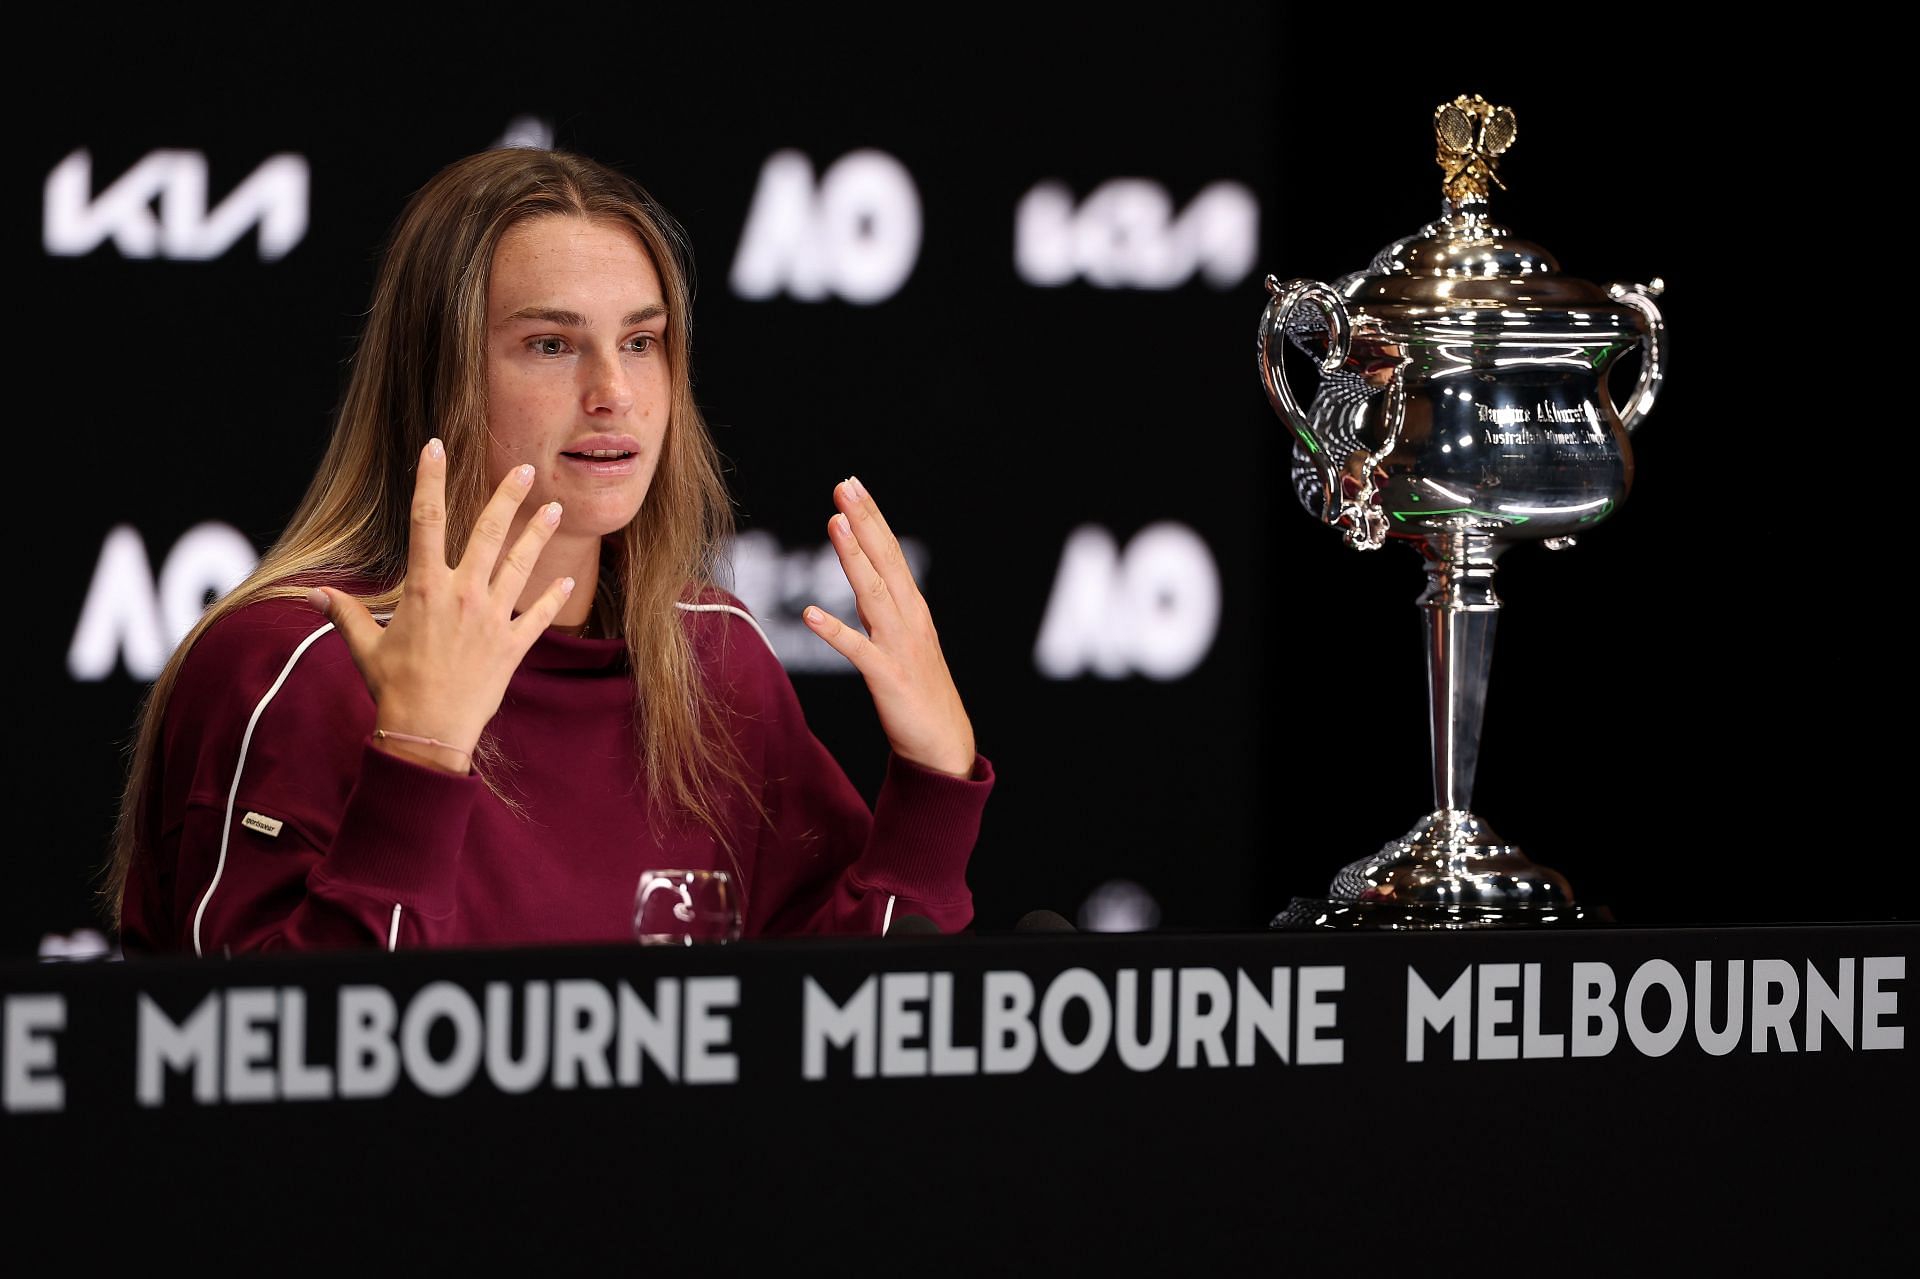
[(130, 618), (1153, 609), (76, 222), (856, 235), (1124, 235)]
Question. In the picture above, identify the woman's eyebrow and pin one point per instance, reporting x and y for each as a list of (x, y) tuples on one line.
[(575, 320)]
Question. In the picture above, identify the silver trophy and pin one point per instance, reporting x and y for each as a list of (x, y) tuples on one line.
[(1463, 406)]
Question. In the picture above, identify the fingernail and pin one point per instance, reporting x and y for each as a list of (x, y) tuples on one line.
[(435, 449), (524, 474), (552, 513), (317, 600), (855, 487), (566, 586), (843, 526), (814, 615)]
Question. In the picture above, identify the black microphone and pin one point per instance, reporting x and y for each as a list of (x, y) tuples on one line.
[(1043, 921), (912, 926)]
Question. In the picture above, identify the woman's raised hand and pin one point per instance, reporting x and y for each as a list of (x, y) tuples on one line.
[(899, 656), (439, 668)]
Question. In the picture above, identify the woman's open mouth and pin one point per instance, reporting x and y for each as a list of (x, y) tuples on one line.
[(606, 457)]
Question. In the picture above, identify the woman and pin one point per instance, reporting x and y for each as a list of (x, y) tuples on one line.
[(525, 687)]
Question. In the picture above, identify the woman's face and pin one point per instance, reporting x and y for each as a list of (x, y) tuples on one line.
[(577, 376)]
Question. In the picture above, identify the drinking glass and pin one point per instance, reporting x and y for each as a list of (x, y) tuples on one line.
[(685, 907)]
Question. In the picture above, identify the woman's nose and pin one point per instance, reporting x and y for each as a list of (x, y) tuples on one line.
[(608, 388)]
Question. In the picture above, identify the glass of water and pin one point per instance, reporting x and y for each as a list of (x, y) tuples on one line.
[(685, 908)]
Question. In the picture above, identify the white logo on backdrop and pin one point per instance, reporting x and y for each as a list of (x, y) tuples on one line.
[(776, 584), (1125, 235), (76, 222), (1119, 906), (82, 943), (133, 620), (1152, 609), (856, 235), (527, 131)]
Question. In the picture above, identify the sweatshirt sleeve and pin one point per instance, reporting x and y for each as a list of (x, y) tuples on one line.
[(826, 863), (274, 822)]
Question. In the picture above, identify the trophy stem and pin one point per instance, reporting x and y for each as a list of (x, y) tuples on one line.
[(1460, 610), (1452, 870)]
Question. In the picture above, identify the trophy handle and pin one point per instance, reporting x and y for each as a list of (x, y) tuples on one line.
[(1652, 348), (1366, 526)]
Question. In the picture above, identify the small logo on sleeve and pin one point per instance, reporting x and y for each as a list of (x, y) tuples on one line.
[(264, 824)]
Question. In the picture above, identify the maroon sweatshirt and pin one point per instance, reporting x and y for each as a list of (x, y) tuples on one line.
[(272, 821)]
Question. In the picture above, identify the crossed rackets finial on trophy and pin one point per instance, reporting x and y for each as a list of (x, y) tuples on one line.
[(1470, 135)]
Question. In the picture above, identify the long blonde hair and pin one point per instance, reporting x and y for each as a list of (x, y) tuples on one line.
[(420, 371)]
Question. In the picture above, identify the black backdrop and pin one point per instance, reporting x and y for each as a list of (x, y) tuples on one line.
[(1672, 720)]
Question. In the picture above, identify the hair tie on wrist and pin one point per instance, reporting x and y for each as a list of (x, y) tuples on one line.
[(424, 741)]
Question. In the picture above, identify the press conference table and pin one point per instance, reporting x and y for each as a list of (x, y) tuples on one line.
[(1034, 1103)]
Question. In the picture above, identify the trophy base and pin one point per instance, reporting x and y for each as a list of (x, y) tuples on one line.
[(1451, 871), (1345, 914)]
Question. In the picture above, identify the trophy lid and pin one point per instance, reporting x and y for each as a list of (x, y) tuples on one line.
[(1463, 260)]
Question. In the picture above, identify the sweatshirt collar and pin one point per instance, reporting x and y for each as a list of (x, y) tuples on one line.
[(555, 651)]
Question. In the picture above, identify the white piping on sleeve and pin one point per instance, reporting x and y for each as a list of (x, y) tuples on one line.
[(887, 922), (393, 929), (246, 740), (737, 612)]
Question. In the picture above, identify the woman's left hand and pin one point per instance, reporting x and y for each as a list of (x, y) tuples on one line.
[(899, 656)]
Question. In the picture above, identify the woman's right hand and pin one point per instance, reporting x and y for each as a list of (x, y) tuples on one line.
[(440, 667)]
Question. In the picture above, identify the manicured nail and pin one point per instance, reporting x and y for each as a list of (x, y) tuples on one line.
[(524, 474), (842, 526), (317, 600), (435, 449), (566, 586), (552, 513), (814, 615), (855, 487)]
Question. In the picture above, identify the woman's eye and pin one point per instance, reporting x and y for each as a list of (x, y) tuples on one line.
[(548, 346), (643, 342)]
